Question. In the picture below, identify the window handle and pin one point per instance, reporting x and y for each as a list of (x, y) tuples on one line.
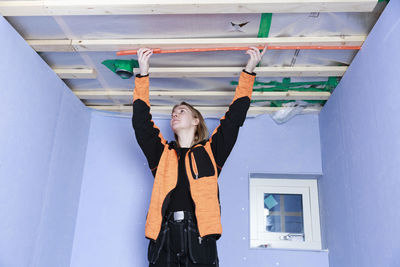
[(290, 236)]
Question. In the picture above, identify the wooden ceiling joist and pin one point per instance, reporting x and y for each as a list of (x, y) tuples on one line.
[(129, 44), (205, 110), (127, 7), (183, 72), (78, 73), (52, 45), (208, 72), (199, 95)]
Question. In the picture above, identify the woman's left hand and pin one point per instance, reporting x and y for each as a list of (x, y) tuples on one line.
[(255, 58)]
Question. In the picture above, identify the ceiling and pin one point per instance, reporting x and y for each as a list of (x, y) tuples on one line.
[(75, 37)]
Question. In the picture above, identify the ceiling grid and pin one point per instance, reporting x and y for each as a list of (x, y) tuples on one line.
[(75, 37)]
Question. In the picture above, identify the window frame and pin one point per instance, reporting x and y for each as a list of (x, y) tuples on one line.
[(308, 188)]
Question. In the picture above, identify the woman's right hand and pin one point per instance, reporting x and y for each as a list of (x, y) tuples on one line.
[(255, 57), (143, 59)]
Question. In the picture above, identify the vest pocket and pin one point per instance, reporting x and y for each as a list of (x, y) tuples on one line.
[(201, 250), (200, 163), (154, 249)]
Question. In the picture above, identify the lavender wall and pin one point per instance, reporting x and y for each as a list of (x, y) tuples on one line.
[(360, 145), (117, 185), (43, 137)]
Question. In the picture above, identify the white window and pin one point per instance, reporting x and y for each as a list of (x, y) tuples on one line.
[(284, 213)]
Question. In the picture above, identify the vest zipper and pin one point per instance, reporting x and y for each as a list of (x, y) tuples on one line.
[(196, 172), (167, 197)]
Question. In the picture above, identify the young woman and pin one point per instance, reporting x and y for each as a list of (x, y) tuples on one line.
[(183, 221)]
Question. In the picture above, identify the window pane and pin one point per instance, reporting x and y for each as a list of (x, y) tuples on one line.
[(283, 213), (273, 223), (293, 203), (294, 224)]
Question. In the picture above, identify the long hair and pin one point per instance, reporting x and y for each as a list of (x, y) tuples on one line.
[(201, 132)]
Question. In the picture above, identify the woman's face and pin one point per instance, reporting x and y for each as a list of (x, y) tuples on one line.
[(182, 118)]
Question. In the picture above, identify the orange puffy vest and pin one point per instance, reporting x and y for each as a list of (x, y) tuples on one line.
[(204, 191)]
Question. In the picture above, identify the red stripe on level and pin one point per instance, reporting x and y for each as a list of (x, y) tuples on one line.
[(186, 50)]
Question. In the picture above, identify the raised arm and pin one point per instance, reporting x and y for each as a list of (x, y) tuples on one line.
[(224, 136), (147, 133)]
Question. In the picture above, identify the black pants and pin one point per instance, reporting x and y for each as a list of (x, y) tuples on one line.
[(179, 245)]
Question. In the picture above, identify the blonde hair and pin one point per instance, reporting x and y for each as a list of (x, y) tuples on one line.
[(201, 132)]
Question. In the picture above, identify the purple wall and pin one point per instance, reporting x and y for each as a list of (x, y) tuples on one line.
[(117, 184), (360, 142), (43, 137)]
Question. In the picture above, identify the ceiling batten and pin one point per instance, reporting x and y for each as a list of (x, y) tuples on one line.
[(306, 71), (127, 7), (203, 95), (208, 72), (97, 44), (205, 110), (77, 73)]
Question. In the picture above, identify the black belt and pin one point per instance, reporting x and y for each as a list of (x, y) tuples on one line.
[(178, 216)]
